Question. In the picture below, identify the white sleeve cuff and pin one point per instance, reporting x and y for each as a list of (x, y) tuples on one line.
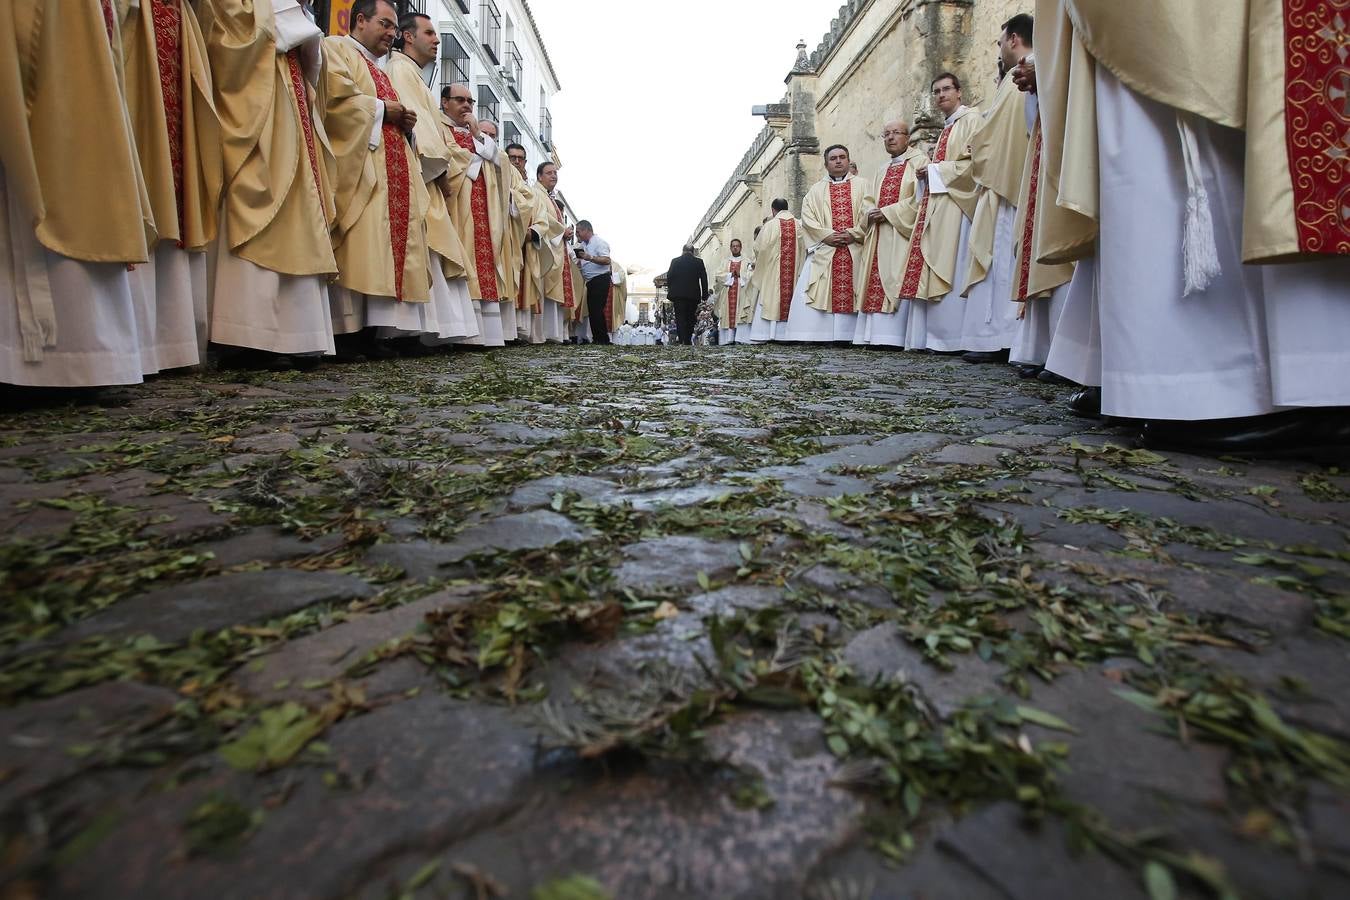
[(935, 183), (293, 27), (377, 130)]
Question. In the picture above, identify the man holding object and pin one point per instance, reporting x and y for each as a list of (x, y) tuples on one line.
[(594, 256)]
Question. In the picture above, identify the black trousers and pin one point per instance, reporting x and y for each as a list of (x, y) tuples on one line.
[(597, 297), (686, 313)]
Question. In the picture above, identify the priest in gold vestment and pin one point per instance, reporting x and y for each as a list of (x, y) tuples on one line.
[(941, 234), (1216, 356), (891, 208), (379, 237), (779, 255), (833, 226), (559, 290), (177, 136), (535, 226), (477, 211), (998, 154), (67, 312), (449, 314), (273, 259), (1040, 290), (730, 282)]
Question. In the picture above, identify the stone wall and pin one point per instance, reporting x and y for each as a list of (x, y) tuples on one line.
[(875, 64)]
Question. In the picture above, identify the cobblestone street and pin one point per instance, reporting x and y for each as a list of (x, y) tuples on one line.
[(562, 622)]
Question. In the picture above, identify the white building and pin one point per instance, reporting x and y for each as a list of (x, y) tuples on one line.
[(495, 47)]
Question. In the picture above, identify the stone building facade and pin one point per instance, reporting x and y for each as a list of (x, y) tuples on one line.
[(875, 64)]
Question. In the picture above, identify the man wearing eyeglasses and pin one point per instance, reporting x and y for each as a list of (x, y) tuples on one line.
[(379, 237), (560, 285), (449, 314), (531, 227), (477, 210)]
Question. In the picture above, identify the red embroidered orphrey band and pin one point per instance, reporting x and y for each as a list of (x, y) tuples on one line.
[(396, 169), (787, 265), (909, 287), (485, 264), (109, 21), (1317, 121), (520, 291), (1024, 262), (306, 122), (733, 293), (875, 296), (169, 50), (568, 301), (841, 265)]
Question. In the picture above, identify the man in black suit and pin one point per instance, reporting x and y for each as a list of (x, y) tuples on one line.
[(687, 285)]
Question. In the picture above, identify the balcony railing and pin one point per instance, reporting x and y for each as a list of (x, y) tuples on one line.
[(454, 61), (490, 30), (489, 108), (515, 71), (546, 129)]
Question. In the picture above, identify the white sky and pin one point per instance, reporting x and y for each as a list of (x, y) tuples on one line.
[(654, 112)]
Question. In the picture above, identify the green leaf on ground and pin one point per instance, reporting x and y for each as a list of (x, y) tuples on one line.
[(281, 733)]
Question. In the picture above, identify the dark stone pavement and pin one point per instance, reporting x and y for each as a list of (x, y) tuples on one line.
[(645, 623)]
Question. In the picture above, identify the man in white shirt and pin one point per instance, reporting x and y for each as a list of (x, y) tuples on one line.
[(595, 269)]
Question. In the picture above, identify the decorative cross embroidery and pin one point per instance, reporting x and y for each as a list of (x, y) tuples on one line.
[(841, 266), (1317, 124)]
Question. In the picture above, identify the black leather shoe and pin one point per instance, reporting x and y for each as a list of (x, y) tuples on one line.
[(1048, 377), (381, 349), (985, 356), (1086, 402), (1026, 370), (1321, 434), (263, 360)]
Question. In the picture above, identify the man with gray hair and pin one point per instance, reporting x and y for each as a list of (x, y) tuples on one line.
[(891, 204)]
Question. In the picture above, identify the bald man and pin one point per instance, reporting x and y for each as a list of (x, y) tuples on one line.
[(475, 209), (891, 204)]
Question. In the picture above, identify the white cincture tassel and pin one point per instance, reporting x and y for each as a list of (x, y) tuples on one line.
[(1199, 253)]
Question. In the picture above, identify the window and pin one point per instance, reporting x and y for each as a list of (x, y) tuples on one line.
[(490, 30), (488, 110), (514, 72), (511, 133), (454, 61), (546, 129)]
